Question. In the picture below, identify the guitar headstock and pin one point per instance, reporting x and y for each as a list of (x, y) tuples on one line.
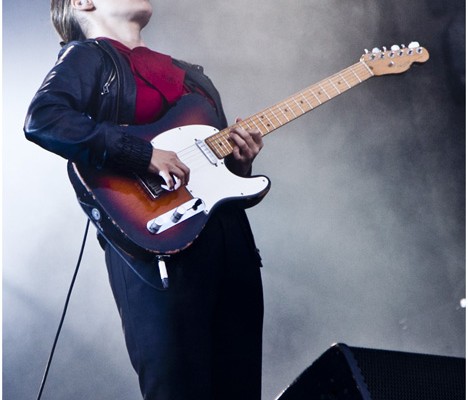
[(396, 60)]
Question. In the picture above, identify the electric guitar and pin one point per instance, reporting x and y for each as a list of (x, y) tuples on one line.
[(138, 214)]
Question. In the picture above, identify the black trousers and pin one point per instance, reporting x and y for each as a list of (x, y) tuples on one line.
[(202, 337)]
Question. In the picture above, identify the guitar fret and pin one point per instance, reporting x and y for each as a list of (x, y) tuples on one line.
[(219, 147), (261, 121), (220, 144), (307, 101), (354, 78), (359, 79), (339, 92), (305, 105), (270, 123), (295, 101), (294, 106), (324, 91), (285, 116), (274, 114), (367, 67), (291, 109), (256, 126), (246, 122), (316, 97), (345, 81)]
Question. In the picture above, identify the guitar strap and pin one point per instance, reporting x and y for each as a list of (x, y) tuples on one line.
[(196, 79)]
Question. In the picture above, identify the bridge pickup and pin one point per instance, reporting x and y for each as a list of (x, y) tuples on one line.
[(207, 151), (152, 184), (175, 216)]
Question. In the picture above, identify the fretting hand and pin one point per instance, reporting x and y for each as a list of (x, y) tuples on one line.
[(246, 146)]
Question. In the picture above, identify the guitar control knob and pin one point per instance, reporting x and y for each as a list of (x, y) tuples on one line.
[(178, 214), (155, 225)]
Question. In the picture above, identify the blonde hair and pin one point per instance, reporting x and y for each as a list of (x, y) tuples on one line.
[(64, 21)]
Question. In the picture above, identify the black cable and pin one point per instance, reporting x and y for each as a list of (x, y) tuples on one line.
[(134, 270), (49, 361)]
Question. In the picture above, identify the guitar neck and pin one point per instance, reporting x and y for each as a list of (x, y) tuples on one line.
[(293, 107)]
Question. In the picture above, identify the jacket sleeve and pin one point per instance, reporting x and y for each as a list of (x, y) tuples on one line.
[(62, 116)]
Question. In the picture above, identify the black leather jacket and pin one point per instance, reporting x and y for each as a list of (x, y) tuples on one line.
[(81, 107)]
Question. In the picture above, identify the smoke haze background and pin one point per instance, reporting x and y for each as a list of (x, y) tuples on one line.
[(362, 234)]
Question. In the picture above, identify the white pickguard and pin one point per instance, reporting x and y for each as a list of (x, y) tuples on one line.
[(212, 183)]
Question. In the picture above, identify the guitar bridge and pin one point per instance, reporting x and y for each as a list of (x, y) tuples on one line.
[(152, 184)]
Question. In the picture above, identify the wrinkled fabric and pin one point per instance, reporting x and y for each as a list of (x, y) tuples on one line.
[(159, 82)]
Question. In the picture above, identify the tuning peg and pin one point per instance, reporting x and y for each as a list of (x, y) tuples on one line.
[(395, 47), (375, 50), (413, 45), (403, 46), (384, 48), (366, 51)]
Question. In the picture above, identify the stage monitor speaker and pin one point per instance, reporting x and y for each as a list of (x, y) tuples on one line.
[(353, 373)]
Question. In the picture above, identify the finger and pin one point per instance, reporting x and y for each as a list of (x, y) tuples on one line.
[(242, 132), (185, 173), (253, 138), (250, 145), (177, 183), (236, 153), (167, 179), (241, 147), (250, 131), (257, 138)]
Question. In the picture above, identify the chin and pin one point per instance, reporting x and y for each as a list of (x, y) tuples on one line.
[(145, 14)]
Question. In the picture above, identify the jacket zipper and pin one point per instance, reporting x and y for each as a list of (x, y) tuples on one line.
[(105, 88), (114, 74)]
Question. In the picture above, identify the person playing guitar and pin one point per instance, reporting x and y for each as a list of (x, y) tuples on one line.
[(199, 337)]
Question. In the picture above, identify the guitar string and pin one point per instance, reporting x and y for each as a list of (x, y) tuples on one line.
[(295, 105), (312, 95), (309, 94)]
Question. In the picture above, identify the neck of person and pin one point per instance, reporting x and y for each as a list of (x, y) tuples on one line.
[(128, 34)]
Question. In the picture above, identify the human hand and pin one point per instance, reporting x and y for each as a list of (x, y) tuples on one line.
[(169, 167), (246, 146)]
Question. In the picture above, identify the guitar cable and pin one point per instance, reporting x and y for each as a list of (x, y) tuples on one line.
[(59, 329), (165, 284)]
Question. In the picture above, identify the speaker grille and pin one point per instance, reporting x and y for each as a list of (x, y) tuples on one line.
[(410, 376), (353, 373)]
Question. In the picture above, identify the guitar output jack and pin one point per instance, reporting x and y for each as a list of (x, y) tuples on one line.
[(96, 214)]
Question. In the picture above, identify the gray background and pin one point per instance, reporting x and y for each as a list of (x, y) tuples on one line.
[(362, 234)]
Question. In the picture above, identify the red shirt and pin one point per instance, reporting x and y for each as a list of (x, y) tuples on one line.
[(159, 83)]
